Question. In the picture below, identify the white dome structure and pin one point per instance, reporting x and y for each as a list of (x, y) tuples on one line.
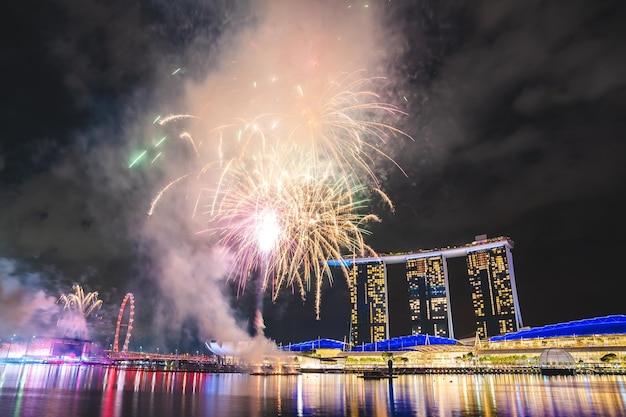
[(555, 356)]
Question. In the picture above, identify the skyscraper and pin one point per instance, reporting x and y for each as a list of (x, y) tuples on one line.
[(490, 276), (368, 294), (492, 293), (427, 295)]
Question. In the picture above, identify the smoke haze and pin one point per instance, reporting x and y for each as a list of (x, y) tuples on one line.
[(290, 46), (516, 110)]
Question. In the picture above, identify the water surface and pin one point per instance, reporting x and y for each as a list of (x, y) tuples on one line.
[(79, 390)]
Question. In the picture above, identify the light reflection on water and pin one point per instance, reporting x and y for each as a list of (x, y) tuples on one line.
[(75, 390)]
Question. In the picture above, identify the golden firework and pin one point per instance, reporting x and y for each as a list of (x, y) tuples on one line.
[(282, 188), (79, 302)]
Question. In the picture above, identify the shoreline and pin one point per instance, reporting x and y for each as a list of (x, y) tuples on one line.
[(183, 366)]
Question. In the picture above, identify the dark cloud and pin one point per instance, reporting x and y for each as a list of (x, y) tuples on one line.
[(520, 130), (523, 111), (83, 81), (516, 110)]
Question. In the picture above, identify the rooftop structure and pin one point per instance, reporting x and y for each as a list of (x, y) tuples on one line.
[(607, 325), (404, 343), (480, 243), (315, 344)]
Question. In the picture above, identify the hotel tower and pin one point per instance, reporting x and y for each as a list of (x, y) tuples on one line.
[(490, 275)]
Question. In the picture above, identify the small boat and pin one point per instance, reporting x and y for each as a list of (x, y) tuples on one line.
[(556, 370), (376, 374)]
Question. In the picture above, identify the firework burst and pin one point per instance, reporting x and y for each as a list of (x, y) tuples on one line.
[(283, 187), (79, 302), (286, 220), (340, 121)]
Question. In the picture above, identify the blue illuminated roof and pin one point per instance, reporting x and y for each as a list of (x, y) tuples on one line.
[(315, 344), (404, 343), (395, 344), (587, 327)]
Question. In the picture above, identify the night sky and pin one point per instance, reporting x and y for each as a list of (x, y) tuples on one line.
[(516, 110)]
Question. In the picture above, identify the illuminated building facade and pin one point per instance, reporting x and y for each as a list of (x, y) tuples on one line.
[(490, 275), (428, 300), (368, 294), (492, 292)]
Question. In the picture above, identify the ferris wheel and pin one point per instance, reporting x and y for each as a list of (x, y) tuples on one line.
[(128, 325)]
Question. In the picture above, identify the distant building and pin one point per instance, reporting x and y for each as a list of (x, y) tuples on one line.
[(44, 349), (490, 275)]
